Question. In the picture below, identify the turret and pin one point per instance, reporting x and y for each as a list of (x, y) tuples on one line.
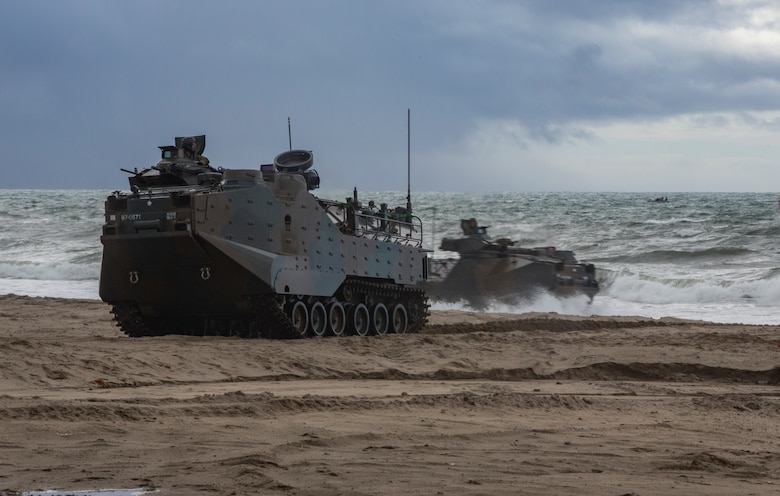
[(180, 165)]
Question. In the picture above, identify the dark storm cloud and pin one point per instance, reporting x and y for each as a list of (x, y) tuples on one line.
[(91, 86), (563, 60)]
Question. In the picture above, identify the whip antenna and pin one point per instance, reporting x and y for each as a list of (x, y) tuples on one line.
[(433, 234), (409, 161), (289, 132)]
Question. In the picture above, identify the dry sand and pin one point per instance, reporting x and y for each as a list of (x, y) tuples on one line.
[(538, 404)]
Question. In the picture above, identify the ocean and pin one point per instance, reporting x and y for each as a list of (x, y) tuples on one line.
[(707, 256)]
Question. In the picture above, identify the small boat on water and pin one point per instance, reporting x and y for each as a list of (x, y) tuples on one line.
[(488, 270)]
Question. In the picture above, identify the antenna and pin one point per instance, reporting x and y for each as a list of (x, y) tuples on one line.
[(433, 234), (289, 132), (409, 160)]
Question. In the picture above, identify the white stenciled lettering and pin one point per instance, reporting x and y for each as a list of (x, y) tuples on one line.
[(131, 217)]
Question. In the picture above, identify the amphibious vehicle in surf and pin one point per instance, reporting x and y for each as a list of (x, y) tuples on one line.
[(194, 249), (488, 270)]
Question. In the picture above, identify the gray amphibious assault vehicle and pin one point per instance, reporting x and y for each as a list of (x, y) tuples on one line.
[(490, 270), (194, 249)]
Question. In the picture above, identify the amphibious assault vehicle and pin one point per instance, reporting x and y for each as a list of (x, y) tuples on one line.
[(488, 270), (194, 249)]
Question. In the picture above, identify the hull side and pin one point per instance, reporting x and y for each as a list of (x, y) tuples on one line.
[(480, 280)]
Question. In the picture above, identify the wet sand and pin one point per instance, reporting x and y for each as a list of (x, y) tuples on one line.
[(477, 404)]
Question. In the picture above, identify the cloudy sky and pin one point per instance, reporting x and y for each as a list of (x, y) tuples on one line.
[(534, 95)]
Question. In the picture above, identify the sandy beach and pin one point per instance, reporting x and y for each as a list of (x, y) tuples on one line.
[(475, 404)]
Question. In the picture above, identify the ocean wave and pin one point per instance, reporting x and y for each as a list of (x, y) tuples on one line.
[(51, 271), (12, 215), (665, 256), (86, 289), (543, 301), (771, 231), (673, 220), (634, 288)]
